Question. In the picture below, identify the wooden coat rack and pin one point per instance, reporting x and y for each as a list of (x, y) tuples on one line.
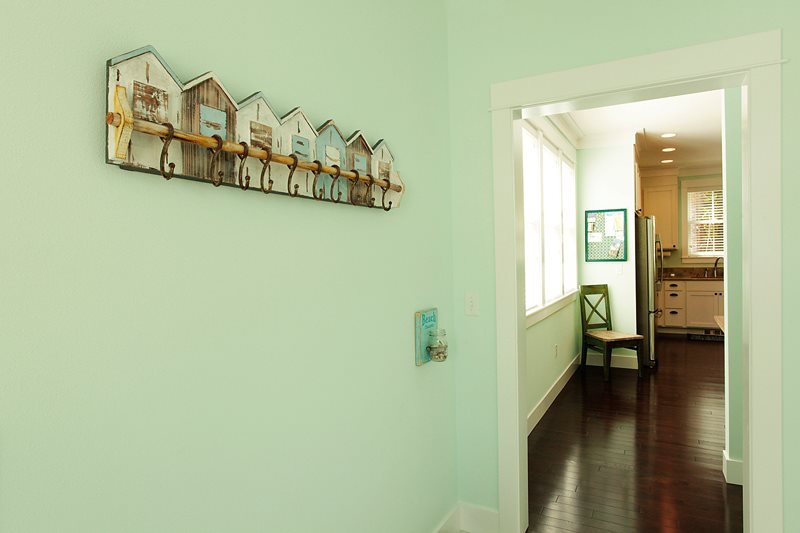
[(202, 106)]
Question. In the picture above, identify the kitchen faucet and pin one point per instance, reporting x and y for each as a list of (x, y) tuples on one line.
[(715, 266)]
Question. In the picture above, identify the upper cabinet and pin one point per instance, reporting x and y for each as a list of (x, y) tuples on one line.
[(660, 199)]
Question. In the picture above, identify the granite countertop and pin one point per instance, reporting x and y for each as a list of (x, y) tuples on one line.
[(692, 274), (686, 278)]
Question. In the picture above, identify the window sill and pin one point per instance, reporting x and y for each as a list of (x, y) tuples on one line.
[(553, 307)]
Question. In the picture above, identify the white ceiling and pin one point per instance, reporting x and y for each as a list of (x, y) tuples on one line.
[(696, 118)]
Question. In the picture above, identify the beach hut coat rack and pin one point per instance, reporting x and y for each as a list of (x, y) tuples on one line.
[(222, 141)]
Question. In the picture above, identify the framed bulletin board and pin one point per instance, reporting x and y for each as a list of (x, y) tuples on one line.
[(606, 235)]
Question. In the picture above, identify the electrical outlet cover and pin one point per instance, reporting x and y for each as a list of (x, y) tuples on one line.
[(425, 321)]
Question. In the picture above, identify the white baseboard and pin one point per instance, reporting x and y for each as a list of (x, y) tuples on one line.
[(451, 522), (617, 361), (732, 469), (468, 518), (544, 404)]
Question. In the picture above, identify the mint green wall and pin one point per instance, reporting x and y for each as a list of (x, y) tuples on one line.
[(175, 357), (151, 380), (508, 39), (674, 259), (732, 153), (561, 329)]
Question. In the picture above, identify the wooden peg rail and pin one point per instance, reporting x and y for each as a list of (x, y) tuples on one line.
[(151, 128)]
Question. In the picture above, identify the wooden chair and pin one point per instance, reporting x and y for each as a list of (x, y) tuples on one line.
[(599, 335)]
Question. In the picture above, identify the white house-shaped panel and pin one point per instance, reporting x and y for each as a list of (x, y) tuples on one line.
[(257, 125), (154, 93), (256, 122), (295, 136)]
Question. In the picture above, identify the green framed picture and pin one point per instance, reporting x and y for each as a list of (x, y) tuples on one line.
[(606, 235)]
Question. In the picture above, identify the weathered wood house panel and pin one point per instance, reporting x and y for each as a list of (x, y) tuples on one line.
[(208, 109), (359, 158)]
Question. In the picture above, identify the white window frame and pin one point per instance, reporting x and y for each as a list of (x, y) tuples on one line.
[(688, 186), (552, 137)]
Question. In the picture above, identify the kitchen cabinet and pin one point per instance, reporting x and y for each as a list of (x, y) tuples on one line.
[(660, 199), (690, 303), (674, 303), (675, 318), (704, 299)]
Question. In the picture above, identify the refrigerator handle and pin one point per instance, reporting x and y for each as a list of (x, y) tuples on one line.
[(660, 254)]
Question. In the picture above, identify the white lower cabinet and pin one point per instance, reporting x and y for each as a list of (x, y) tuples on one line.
[(704, 300), (674, 318), (673, 302), (693, 304)]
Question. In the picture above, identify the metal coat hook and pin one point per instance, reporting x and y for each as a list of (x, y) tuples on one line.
[(333, 184), (266, 170), (353, 186), (292, 168), (164, 153), (383, 197), (214, 161), (316, 173), (369, 200), (244, 184)]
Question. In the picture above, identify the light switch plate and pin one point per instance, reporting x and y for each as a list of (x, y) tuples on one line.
[(471, 304)]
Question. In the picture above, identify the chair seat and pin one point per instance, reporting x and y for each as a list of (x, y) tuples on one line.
[(610, 336)]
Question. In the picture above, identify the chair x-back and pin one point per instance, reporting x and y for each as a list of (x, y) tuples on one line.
[(598, 333)]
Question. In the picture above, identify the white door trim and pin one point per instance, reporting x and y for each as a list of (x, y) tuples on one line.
[(753, 62)]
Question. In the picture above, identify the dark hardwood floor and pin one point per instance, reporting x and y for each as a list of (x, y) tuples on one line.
[(637, 454)]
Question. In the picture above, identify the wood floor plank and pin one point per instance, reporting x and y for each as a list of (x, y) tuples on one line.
[(636, 454)]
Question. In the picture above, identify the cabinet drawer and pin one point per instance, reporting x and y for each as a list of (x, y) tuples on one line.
[(712, 286), (674, 318), (674, 299), (671, 285)]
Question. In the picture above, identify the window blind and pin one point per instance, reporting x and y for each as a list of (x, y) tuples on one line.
[(706, 219)]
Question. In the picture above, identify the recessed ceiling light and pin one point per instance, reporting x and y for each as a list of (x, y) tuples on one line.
[(668, 149), (668, 135), (667, 160)]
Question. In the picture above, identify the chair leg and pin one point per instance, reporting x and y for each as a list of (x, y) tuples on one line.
[(584, 351), (606, 362), (639, 354)]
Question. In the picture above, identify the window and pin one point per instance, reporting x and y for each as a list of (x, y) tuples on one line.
[(301, 148), (548, 179), (704, 213)]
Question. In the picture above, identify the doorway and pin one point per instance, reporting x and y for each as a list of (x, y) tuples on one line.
[(751, 62)]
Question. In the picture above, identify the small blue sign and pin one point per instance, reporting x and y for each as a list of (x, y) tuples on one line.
[(301, 148), (213, 121), (424, 322), (360, 163)]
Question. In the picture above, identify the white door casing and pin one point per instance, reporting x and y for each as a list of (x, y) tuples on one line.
[(752, 62)]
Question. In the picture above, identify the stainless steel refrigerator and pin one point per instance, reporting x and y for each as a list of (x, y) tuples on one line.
[(649, 259)]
